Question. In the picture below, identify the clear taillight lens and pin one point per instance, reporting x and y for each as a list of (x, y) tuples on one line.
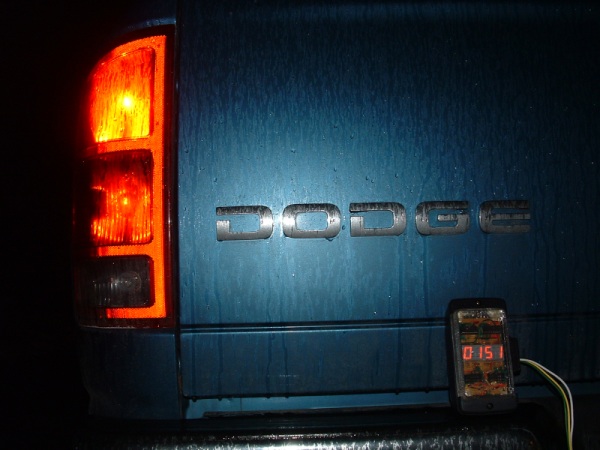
[(121, 194)]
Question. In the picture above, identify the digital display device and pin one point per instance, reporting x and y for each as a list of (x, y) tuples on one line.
[(481, 374)]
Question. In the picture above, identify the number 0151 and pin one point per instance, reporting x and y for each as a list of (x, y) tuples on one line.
[(482, 352)]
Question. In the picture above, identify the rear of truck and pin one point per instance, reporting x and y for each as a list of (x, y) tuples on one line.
[(276, 202)]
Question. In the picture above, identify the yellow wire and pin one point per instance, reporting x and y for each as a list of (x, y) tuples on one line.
[(567, 410), (556, 381)]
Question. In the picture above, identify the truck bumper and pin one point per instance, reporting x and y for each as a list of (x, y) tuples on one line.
[(530, 427)]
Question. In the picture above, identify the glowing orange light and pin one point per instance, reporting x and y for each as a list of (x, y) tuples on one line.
[(125, 214), (121, 96), (127, 102)]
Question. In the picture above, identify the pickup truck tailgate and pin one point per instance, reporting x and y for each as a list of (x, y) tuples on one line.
[(459, 133)]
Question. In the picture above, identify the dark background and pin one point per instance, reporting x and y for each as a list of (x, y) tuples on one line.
[(45, 59)]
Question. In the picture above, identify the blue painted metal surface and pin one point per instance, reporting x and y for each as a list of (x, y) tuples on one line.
[(131, 373), (286, 104), (303, 103)]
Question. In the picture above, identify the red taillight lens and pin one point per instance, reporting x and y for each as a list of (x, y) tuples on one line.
[(121, 209), (116, 198)]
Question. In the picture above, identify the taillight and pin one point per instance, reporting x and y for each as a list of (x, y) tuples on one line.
[(121, 193)]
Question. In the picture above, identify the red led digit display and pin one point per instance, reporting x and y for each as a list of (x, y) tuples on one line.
[(482, 352), (484, 369), (482, 378)]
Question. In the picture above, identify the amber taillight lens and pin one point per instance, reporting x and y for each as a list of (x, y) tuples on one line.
[(121, 193), (120, 103)]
